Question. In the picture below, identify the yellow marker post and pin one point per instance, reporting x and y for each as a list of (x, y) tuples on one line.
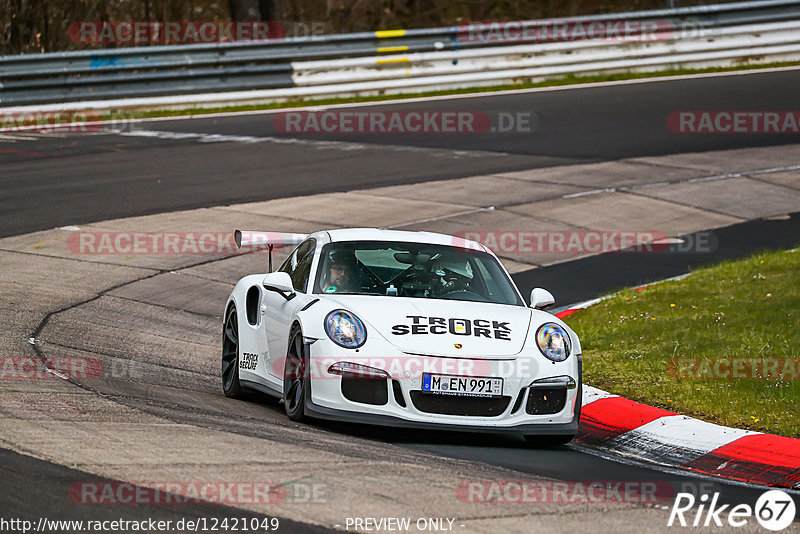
[(395, 60), (388, 49), (383, 34)]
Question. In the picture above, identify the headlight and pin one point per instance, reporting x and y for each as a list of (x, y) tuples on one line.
[(553, 342), (345, 329)]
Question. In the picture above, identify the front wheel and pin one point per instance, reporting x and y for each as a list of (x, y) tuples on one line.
[(230, 356), (548, 441), (295, 379)]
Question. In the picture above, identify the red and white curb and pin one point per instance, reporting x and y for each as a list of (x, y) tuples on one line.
[(633, 430), (563, 314), (585, 304), (627, 428)]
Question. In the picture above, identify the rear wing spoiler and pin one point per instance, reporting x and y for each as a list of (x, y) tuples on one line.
[(258, 240), (251, 238)]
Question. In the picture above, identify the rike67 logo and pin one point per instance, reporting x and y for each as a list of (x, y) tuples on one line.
[(774, 510)]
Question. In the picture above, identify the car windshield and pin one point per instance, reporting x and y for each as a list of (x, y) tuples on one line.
[(413, 270)]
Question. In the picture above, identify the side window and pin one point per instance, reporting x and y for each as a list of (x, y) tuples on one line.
[(289, 264), (298, 265), (302, 272)]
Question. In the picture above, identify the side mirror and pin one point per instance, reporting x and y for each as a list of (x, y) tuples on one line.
[(279, 282), (541, 298)]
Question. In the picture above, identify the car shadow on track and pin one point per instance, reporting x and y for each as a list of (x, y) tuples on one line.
[(402, 436)]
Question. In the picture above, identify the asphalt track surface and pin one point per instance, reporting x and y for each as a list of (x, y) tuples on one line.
[(52, 181), (34, 488)]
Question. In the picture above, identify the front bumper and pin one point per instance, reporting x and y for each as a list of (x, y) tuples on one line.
[(399, 405)]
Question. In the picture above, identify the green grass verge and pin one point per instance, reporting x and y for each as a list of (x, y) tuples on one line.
[(660, 345), (556, 82)]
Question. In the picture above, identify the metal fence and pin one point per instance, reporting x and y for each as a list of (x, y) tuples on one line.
[(403, 60)]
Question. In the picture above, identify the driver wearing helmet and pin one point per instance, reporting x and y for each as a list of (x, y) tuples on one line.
[(342, 273)]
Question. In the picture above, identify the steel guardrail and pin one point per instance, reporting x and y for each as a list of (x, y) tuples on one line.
[(143, 72)]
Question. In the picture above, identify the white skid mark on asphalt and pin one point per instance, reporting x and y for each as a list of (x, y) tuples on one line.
[(587, 193), (714, 178), (319, 144), (776, 169), (439, 218), (724, 176)]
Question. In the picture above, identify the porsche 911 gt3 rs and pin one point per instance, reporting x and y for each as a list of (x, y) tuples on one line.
[(408, 329)]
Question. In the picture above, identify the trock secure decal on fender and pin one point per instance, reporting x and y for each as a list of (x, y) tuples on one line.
[(422, 325), (248, 361)]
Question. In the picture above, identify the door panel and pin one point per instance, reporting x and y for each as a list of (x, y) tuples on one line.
[(278, 318)]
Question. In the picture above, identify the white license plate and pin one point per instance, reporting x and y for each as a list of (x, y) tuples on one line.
[(470, 386)]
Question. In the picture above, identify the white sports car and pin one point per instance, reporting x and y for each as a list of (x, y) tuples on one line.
[(408, 329)]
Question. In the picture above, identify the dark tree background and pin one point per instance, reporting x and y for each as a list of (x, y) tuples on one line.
[(30, 26)]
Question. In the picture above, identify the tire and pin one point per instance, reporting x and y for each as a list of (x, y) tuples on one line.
[(295, 378), (548, 441), (230, 356)]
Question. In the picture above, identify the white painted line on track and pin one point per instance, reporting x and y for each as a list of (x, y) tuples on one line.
[(13, 138), (315, 143)]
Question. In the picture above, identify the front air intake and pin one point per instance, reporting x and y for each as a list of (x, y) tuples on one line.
[(546, 401), (457, 405), (357, 388)]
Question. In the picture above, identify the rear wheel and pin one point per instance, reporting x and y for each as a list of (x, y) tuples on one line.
[(295, 379), (230, 356), (548, 442)]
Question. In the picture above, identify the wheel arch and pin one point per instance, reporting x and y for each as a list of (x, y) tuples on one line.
[(231, 304), (297, 324)]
